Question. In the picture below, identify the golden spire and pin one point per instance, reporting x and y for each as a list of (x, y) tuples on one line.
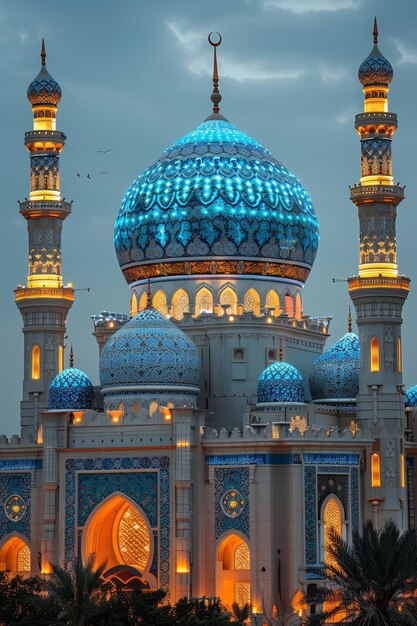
[(71, 357), (281, 351), (149, 296), (375, 33), (215, 95), (43, 52), (349, 321)]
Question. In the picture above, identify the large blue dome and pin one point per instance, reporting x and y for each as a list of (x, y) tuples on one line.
[(280, 382), (411, 397), (216, 202), (70, 390), (335, 374), (150, 351)]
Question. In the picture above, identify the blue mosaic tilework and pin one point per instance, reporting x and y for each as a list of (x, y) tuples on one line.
[(411, 397), (335, 374), (18, 464), (107, 481), (44, 89), (18, 483), (216, 193), (375, 69), (225, 480), (310, 514), (253, 459), (280, 382), (44, 172), (71, 389), (331, 459), (150, 350)]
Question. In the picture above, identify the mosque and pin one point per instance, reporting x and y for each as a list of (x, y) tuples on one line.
[(224, 439)]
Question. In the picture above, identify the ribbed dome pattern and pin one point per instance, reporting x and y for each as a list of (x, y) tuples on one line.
[(335, 374), (70, 390), (280, 382), (375, 69), (411, 397), (44, 89), (148, 351), (216, 202)]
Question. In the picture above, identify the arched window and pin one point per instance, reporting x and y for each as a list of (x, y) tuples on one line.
[(272, 302), (142, 301), (203, 301), (374, 354), (134, 305), (289, 305), (160, 303), (36, 362), (252, 302), (375, 470), (298, 307), (228, 296), (233, 571), (60, 358), (180, 304), (332, 519), (399, 355), (15, 554)]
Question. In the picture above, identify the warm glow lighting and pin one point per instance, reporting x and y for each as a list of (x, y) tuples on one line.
[(115, 415), (402, 469), (374, 354), (166, 412), (36, 362), (39, 440), (375, 470), (269, 320), (183, 444), (332, 518), (60, 358), (231, 318), (399, 355), (111, 324), (78, 416)]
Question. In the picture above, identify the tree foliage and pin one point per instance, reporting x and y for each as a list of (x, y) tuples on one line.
[(373, 580)]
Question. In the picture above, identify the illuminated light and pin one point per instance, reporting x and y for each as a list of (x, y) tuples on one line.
[(375, 470), (60, 358), (46, 568), (36, 281), (50, 293), (183, 444), (399, 355), (115, 415), (378, 270), (374, 354), (23, 559), (39, 439), (111, 324), (269, 320), (332, 519), (36, 362), (78, 416), (402, 470), (133, 538), (231, 318), (166, 412)]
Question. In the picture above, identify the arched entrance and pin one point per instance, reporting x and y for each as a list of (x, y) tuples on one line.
[(15, 556), (233, 570), (119, 532)]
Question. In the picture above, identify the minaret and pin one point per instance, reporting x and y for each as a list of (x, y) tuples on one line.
[(378, 294), (45, 301)]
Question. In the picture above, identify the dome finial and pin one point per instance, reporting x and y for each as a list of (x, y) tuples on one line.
[(149, 296), (43, 52), (349, 321), (215, 95), (71, 357), (375, 33)]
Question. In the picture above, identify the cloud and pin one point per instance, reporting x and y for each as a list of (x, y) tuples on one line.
[(332, 75), (406, 54), (346, 116), (309, 6), (200, 63)]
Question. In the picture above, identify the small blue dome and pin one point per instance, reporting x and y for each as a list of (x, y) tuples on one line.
[(335, 374), (150, 351), (44, 89), (216, 202), (411, 397), (280, 382), (70, 390), (375, 69)]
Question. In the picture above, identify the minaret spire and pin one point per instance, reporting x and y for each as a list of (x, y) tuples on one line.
[(216, 97), (43, 52), (149, 296), (375, 33), (71, 359)]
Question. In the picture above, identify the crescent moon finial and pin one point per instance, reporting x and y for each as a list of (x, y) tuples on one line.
[(215, 95)]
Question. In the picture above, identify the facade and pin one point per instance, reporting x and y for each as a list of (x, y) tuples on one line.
[(224, 440)]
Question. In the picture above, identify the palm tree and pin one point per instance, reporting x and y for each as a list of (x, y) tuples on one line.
[(373, 581), (76, 594), (241, 614)]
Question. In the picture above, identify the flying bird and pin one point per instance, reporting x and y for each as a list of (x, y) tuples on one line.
[(104, 151), (77, 174), (88, 176)]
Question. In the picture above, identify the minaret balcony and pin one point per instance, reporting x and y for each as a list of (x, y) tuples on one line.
[(362, 194), (40, 208), (377, 282), (376, 118)]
